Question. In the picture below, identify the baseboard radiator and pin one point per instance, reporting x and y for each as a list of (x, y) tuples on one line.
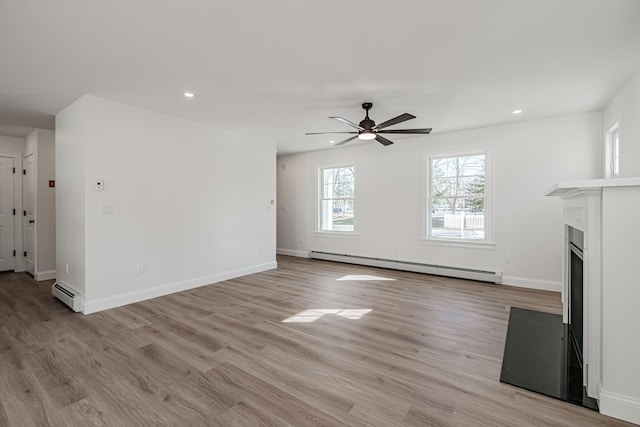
[(438, 270), (67, 295)]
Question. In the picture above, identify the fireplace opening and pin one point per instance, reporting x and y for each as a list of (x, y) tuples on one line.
[(576, 301)]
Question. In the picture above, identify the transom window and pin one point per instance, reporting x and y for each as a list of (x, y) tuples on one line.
[(457, 202), (336, 207)]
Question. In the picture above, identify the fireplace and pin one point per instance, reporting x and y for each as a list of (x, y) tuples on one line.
[(581, 284), (605, 211), (576, 289)]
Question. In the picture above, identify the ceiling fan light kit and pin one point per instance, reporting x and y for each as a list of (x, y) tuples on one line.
[(366, 135), (367, 130)]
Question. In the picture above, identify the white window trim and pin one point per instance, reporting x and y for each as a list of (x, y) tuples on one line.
[(462, 243), (318, 227), (487, 242), (338, 234), (608, 150)]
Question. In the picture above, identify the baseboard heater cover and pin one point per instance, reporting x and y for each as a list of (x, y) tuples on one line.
[(415, 267), (67, 295)]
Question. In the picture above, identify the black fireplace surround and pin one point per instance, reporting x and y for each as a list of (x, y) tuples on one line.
[(576, 304)]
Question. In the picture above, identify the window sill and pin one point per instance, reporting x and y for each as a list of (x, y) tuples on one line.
[(338, 234), (460, 243)]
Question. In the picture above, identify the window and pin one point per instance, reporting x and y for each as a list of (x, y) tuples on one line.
[(612, 155), (337, 197), (457, 202)]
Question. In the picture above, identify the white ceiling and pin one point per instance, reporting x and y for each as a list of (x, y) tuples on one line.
[(279, 68)]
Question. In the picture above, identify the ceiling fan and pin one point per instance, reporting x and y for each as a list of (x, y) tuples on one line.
[(368, 130)]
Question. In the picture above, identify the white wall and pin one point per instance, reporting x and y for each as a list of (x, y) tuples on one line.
[(71, 138), (46, 205), (11, 145), (620, 395), (190, 202), (41, 143), (624, 108), (527, 159)]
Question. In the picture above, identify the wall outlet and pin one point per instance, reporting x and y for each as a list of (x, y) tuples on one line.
[(140, 268), (300, 239), (507, 258)]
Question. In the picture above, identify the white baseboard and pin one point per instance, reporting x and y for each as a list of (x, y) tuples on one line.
[(170, 288), (619, 406), (290, 252), (440, 270), (526, 282), (45, 275), (522, 282)]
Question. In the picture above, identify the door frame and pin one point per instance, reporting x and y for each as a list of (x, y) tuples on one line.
[(24, 217)]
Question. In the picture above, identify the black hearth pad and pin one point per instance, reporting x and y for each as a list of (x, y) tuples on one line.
[(539, 358)]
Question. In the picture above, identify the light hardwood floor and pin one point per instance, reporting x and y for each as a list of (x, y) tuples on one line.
[(428, 352)]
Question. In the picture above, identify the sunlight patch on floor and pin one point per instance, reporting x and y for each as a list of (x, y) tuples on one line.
[(313, 314), (363, 277)]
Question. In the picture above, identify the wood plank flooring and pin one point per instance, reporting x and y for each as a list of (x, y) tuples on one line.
[(409, 350)]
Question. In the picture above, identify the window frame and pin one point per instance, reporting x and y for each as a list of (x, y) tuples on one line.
[(427, 237), (320, 193), (612, 151)]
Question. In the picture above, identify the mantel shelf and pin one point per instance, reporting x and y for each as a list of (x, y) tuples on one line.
[(573, 188)]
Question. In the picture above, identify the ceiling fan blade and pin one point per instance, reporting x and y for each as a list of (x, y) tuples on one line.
[(347, 122), (382, 140), (425, 131), (324, 133), (401, 118), (346, 140)]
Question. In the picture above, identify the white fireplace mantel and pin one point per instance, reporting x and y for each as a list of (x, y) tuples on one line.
[(607, 211), (567, 189)]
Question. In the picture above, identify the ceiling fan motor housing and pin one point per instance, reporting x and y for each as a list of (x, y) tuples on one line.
[(367, 123)]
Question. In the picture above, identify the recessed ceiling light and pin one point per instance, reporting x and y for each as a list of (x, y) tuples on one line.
[(332, 142), (517, 111), (189, 94)]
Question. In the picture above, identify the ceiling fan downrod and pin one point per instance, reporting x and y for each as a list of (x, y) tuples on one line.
[(367, 123)]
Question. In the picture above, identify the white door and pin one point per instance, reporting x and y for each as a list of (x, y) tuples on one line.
[(7, 240), (29, 192)]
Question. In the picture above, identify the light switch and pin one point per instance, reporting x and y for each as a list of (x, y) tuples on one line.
[(105, 209)]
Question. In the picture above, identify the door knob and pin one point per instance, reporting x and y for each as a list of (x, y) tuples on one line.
[(31, 221)]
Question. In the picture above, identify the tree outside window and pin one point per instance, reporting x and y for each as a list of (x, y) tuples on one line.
[(337, 199), (457, 197)]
